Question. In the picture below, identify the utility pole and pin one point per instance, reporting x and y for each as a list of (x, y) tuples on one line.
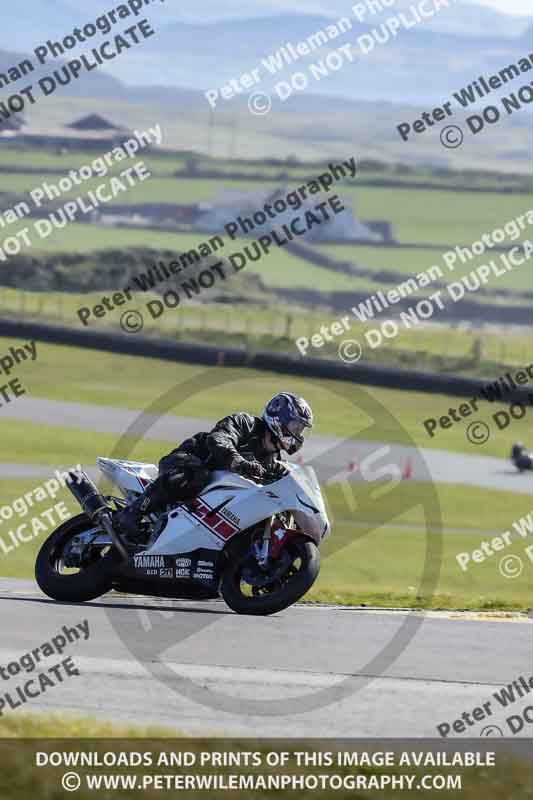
[(233, 137), (210, 126)]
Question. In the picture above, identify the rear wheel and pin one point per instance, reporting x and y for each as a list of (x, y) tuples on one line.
[(89, 579), (248, 589)]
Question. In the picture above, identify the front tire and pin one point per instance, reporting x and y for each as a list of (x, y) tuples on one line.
[(283, 593), (93, 579)]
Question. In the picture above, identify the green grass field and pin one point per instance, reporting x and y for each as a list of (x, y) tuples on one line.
[(133, 382), (279, 269), (412, 262), (438, 217), (161, 163), (422, 216)]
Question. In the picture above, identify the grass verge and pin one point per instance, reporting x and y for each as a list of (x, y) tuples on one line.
[(21, 778), (91, 376)]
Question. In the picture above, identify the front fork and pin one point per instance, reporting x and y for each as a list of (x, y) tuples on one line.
[(262, 552), (272, 541)]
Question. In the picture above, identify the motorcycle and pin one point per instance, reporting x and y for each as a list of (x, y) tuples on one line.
[(521, 457), (254, 544)]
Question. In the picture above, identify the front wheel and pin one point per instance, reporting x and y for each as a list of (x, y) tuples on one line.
[(87, 580), (248, 589)]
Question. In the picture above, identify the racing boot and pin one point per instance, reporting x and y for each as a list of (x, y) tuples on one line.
[(153, 499)]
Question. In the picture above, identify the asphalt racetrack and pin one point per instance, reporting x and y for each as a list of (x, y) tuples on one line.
[(331, 457), (309, 671)]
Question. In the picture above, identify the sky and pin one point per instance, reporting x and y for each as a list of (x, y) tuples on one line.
[(509, 6)]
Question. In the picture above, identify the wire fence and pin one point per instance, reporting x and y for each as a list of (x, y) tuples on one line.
[(280, 328)]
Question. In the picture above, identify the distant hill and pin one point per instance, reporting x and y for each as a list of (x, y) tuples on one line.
[(94, 84), (206, 56), (462, 17), (453, 48)]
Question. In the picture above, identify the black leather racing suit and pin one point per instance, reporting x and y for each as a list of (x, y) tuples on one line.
[(234, 443), (235, 437)]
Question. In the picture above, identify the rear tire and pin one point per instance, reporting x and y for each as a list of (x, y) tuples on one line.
[(89, 583), (263, 604)]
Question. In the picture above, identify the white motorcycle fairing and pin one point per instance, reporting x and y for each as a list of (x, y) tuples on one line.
[(131, 477), (229, 504)]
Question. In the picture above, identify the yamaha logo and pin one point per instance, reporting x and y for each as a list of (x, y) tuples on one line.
[(229, 515), (142, 562)]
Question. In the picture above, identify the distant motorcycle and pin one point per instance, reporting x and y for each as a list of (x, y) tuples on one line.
[(256, 545), (521, 457)]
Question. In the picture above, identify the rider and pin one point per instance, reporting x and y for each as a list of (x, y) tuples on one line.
[(520, 457), (241, 443)]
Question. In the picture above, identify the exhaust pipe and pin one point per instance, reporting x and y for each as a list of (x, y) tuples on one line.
[(86, 493), (94, 505)]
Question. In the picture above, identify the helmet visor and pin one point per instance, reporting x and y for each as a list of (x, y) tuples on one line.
[(296, 427)]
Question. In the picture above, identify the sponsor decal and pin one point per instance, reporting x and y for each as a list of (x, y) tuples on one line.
[(183, 562), (143, 562), (182, 573), (229, 515), (166, 573), (212, 520)]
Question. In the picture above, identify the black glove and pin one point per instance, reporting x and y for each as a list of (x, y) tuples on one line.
[(248, 469)]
